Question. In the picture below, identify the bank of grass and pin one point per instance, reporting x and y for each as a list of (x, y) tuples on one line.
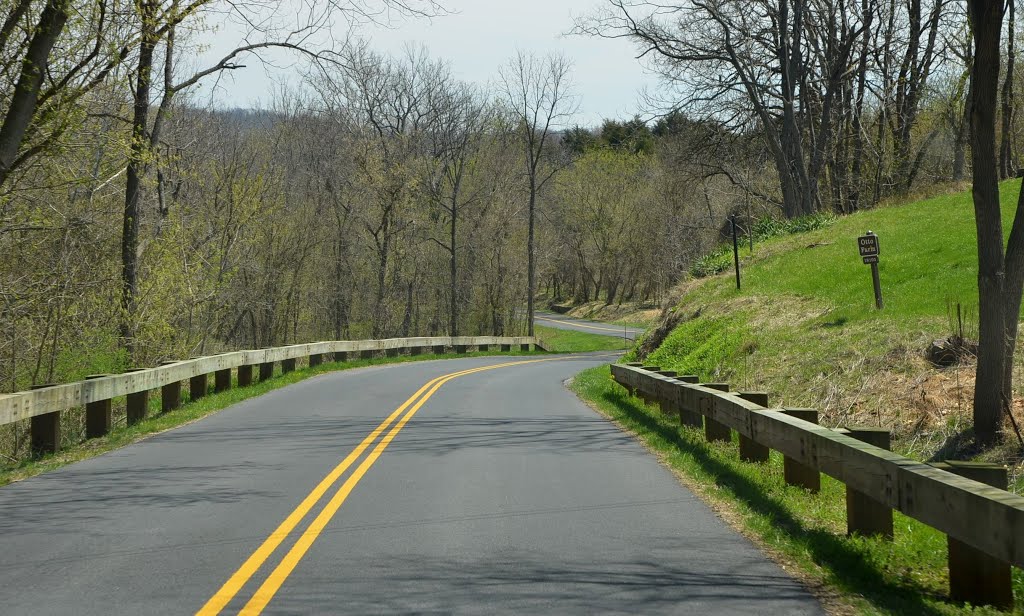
[(805, 531), (804, 326), (572, 341), (191, 411)]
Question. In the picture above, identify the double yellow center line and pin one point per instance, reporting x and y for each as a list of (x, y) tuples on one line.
[(277, 577)]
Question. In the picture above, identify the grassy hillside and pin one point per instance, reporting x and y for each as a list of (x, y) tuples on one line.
[(804, 326)]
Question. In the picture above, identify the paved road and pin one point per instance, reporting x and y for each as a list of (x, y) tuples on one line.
[(560, 321), (501, 494)]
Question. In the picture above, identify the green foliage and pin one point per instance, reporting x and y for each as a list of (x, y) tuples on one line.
[(714, 262), (769, 227), (630, 136), (721, 258), (702, 346), (579, 140)]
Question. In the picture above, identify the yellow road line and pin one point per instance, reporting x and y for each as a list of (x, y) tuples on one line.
[(267, 590), (572, 324)]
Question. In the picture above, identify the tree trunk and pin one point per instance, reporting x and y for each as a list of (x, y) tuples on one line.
[(453, 319), (531, 281), (986, 25), (24, 102), (133, 180)]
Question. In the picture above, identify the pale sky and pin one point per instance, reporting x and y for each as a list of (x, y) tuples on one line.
[(476, 39)]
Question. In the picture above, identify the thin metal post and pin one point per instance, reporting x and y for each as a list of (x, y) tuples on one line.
[(735, 249)]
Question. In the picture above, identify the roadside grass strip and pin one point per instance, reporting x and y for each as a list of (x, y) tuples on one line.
[(572, 341), (804, 531)]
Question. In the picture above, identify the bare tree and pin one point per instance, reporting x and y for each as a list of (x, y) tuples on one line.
[(538, 93), (159, 22), (462, 121), (47, 67), (1000, 274)]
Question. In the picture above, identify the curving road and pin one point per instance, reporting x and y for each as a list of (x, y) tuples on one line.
[(495, 491), (560, 321)]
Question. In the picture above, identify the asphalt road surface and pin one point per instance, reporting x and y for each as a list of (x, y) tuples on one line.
[(559, 321), (495, 491)]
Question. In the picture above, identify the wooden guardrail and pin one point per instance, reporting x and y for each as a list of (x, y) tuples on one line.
[(44, 404), (966, 501)]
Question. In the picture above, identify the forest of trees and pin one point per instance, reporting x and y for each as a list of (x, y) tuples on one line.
[(379, 196)]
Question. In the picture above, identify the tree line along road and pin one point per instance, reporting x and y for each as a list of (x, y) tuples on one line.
[(476, 485)]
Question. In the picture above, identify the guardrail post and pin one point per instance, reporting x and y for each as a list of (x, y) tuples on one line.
[(416, 350), (864, 515), (483, 348), (288, 365), (665, 406), (505, 348), (688, 416), (266, 370), (391, 352), (222, 380), (315, 360), (639, 393), (45, 430), (137, 406), (170, 394), (714, 430), (197, 386), (524, 347), (99, 415), (750, 450), (438, 349), (340, 356), (367, 354), (460, 348), (245, 375), (974, 576), (795, 473)]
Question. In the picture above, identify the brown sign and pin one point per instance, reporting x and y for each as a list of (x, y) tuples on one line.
[(868, 245)]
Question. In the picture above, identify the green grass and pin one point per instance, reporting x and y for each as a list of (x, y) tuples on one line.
[(928, 256), (804, 326), (572, 341), (191, 411), (905, 576)]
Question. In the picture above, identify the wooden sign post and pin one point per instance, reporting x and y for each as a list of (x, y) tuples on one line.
[(868, 245)]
